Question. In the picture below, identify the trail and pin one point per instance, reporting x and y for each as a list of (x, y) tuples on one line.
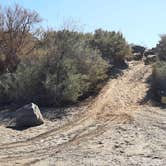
[(114, 129)]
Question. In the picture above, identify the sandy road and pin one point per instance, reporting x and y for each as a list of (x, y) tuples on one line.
[(115, 129)]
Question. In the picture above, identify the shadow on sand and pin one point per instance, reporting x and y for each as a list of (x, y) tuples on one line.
[(150, 98)]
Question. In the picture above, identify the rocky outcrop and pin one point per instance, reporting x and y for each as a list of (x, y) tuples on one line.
[(137, 56), (149, 59), (137, 51), (148, 52), (28, 116)]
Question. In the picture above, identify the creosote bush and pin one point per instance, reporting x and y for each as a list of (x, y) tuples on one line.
[(67, 71), (53, 67), (112, 45), (161, 48), (159, 79)]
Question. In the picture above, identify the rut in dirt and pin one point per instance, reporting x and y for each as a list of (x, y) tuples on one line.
[(118, 103)]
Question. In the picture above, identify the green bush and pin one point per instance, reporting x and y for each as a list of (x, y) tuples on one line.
[(53, 67), (68, 70), (112, 45), (159, 79), (23, 86), (161, 48)]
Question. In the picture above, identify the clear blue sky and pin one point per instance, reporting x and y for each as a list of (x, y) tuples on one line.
[(141, 21)]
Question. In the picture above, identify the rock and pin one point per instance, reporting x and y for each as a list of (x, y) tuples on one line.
[(148, 52), (29, 116), (137, 56), (150, 59), (138, 49)]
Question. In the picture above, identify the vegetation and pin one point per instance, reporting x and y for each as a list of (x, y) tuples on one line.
[(159, 79), (66, 71), (17, 36), (53, 67), (159, 70), (112, 45), (161, 48)]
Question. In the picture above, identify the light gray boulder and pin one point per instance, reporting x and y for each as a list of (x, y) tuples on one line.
[(29, 116)]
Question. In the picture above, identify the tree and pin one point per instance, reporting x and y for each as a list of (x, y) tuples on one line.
[(16, 34)]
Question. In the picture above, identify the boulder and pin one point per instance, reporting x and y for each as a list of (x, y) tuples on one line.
[(150, 59), (29, 116), (137, 56), (138, 49), (148, 52)]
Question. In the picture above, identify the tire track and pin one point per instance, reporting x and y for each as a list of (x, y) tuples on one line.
[(113, 105)]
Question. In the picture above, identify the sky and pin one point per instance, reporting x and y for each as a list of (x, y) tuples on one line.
[(141, 21)]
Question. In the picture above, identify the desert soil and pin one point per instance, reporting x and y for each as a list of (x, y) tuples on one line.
[(116, 128)]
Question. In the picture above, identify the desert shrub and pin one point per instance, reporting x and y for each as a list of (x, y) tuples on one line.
[(161, 48), (159, 79), (52, 67), (68, 70), (5, 87), (112, 45), (23, 86), (76, 67)]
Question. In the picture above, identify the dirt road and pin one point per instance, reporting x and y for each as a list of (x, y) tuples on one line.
[(113, 129)]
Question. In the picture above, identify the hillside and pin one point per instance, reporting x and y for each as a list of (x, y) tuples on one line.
[(115, 128)]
